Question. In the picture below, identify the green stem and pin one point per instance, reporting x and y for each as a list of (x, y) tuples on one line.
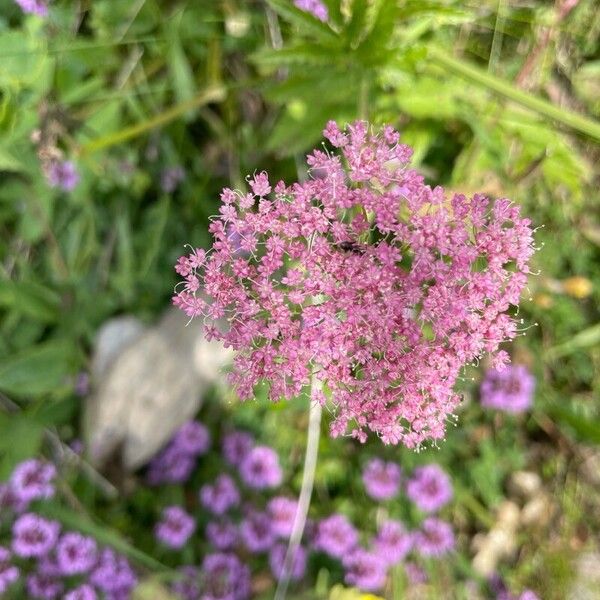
[(504, 88), (214, 94)]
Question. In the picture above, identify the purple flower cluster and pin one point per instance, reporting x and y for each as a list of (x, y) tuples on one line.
[(175, 463), (175, 527), (429, 488), (53, 565), (221, 496), (382, 479), (260, 468), (509, 389)]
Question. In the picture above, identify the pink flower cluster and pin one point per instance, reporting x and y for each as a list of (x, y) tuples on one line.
[(364, 277)]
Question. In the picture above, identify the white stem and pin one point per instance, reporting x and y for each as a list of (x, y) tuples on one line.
[(308, 479)]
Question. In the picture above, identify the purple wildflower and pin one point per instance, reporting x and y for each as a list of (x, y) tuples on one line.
[(429, 488), (282, 511), (35, 7), (256, 532), (225, 578), (113, 575), (75, 553), (260, 468), (221, 496), (83, 592), (277, 560), (9, 501), (528, 595), (34, 536), (192, 438), (392, 543), (381, 479), (43, 587), (510, 389), (171, 177), (8, 572), (32, 479), (236, 446), (336, 536), (415, 573), (63, 175), (171, 465), (175, 528), (221, 534), (188, 587), (435, 538), (314, 7), (365, 570)]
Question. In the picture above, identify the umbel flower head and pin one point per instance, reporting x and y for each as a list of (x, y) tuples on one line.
[(364, 277)]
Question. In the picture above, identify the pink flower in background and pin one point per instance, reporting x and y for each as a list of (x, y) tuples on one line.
[(9, 573), (435, 538), (393, 542), (314, 7), (277, 560), (236, 445), (365, 570), (63, 175), (221, 496), (33, 479), (336, 536), (429, 488), (364, 277), (381, 479), (36, 7), (260, 468), (282, 511), (509, 389), (34, 536)]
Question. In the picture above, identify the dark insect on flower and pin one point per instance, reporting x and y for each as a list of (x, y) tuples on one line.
[(351, 247)]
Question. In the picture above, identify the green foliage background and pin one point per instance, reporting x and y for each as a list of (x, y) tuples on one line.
[(497, 96)]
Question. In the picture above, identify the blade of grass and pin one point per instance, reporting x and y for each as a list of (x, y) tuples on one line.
[(504, 88), (214, 94), (584, 339)]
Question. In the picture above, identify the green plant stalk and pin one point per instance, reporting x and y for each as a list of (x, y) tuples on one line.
[(214, 94), (504, 88)]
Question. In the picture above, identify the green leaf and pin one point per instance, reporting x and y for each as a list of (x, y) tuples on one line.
[(180, 71), (300, 54), (20, 438), (30, 299), (584, 339), (305, 21), (152, 234), (37, 370), (585, 430)]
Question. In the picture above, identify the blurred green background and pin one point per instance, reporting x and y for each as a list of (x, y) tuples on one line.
[(499, 96)]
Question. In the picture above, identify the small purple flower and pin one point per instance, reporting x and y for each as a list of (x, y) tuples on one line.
[(510, 389), (34, 536), (175, 528), (113, 575), (192, 438), (8, 572), (9, 501), (188, 587), (277, 560), (221, 534), (63, 175), (282, 511), (171, 465), (429, 488), (365, 570), (392, 543), (171, 177), (75, 553), (32, 480), (221, 496), (336, 536), (435, 538), (236, 446), (225, 578), (528, 595), (43, 587), (260, 468), (314, 7), (256, 532), (83, 592), (35, 7), (381, 479)]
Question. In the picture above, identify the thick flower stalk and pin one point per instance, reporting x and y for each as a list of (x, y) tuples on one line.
[(364, 277)]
